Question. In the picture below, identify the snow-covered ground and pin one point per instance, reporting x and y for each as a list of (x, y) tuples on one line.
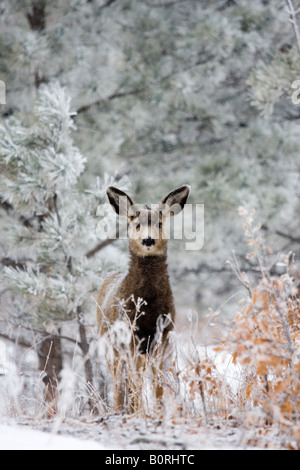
[(14, 437), (21, 430), (116, 432)]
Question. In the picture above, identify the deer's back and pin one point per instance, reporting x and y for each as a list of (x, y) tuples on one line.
[(107, 311)]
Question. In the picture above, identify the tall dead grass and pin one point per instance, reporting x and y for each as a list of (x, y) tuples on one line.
[(249, 377)]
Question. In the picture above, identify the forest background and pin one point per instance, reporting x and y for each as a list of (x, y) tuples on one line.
[(144, 95)]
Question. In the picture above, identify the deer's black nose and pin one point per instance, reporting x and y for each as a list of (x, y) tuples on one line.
[(148, 241)]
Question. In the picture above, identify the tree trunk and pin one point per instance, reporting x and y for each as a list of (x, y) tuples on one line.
[(51, 364), (37, 21), (50, 351), (37, 17)]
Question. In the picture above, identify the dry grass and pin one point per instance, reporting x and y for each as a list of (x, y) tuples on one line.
[(249, 378)]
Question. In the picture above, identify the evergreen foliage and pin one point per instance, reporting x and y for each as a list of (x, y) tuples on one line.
[(49, 220), (158, 93)]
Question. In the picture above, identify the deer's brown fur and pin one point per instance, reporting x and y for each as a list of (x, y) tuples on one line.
[(147, 277)]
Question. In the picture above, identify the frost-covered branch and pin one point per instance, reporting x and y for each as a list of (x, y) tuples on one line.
[(293, 20), (40, 169), (108, 3), (112, 97), (99, 247), (163, 5), (20, 342)]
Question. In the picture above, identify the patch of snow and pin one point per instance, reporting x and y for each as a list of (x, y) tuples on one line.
[(11, 383), (231, 373), (21, 438)]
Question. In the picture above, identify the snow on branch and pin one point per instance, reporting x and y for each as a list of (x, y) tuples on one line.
[(293, 19)]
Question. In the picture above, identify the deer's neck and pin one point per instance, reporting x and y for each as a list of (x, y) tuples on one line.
[(149, 275), (148, 279)]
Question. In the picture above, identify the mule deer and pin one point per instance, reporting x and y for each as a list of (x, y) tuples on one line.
[(147, 279)]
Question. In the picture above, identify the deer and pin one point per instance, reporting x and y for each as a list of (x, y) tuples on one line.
[(147, 279)]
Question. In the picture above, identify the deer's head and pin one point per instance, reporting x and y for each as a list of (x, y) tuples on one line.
[(147, 234)]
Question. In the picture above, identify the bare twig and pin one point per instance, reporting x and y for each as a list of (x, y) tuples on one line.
[(282, 234), (163, 5), (240, 275), (112, 97), (22, 343), (289, 237), (45, 336), (293, 13), (108, 3), (99, 247), (281, 313)]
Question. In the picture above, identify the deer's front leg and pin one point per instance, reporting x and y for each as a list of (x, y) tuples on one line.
[(158, 369)]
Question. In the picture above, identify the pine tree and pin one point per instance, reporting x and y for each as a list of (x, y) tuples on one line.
[(163, 94), (49, 226)]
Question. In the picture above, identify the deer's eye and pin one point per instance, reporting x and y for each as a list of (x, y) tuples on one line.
[(138, 226), (160, 225)]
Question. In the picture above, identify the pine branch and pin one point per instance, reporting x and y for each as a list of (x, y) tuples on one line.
[(11, 263), (283, 234), (226, 4), (28, 345), (17, 341), (203, 267), (99, 247), (163, 5), (108, 3), (289, 237), (112, 97), (225, 268)]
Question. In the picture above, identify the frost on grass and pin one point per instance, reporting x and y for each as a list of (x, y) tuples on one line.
[(241, 390), (265, 339), (11, 384)]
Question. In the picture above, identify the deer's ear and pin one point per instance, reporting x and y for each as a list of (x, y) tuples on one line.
[(120, 201), (175, 201)]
